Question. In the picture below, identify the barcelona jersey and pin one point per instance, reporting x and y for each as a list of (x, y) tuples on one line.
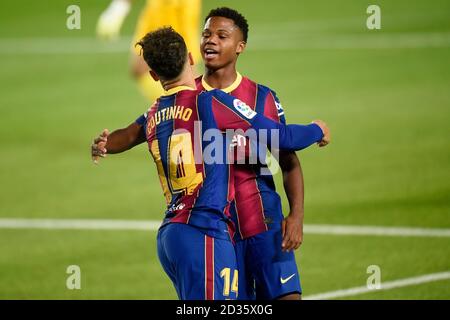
[(198, 189), (257, 203)]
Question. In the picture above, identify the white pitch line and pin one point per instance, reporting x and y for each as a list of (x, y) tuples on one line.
[(375, 231), (259, 42), (80, 224), (384, 286), (152, 225)]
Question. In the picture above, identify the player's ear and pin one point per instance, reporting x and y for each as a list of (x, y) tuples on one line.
[(191, 60), (153, 75), (241, 47)]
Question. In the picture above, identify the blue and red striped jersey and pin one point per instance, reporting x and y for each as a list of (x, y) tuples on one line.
[(184, 131), (256, 200)]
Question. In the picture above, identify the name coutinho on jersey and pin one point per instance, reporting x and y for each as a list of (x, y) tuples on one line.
[(170, 113)]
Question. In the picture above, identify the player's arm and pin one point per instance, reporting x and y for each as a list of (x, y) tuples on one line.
[(118, 141), (291, 137), (292, 225), (111, 20)]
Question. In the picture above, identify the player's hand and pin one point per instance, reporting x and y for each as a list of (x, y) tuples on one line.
[(292, 233), (98, 146), (111, 20), (326, 133)]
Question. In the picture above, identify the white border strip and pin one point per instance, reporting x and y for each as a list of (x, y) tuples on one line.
[(384, 286), (152, 225)]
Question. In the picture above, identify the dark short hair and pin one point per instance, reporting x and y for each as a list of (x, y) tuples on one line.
[(165, 52), (231, 14)]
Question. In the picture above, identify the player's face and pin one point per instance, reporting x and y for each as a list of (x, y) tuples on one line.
[(221, 43)]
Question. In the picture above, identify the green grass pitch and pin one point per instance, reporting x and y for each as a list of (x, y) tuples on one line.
[(384, 93)]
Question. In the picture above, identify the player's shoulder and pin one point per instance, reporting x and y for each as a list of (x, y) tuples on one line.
[(267, 90), (211, 97), (206, 96), (153, 107), (210, 93), (186, 97), (261, 87), (271, 101)]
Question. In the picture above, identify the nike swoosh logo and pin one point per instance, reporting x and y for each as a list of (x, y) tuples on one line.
[(283, 281)]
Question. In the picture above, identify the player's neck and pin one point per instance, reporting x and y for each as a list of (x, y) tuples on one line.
[(220, 78), (186, 79)]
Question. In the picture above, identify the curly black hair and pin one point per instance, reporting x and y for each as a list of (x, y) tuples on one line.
[(238, 19), (165, 52)]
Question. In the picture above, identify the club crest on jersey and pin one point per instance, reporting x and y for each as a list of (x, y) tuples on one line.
[(244, 109)]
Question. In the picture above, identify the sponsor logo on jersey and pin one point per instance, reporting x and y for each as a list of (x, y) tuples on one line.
[(238, 140)]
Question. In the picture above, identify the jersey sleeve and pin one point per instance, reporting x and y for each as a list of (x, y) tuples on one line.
[(231, 113), (291, 137), (141, 120), (273, 108)]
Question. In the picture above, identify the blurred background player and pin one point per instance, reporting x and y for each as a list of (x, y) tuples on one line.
[(182, 15), (265, 240)]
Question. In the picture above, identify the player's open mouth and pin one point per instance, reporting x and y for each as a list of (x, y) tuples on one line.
[(210, 53)]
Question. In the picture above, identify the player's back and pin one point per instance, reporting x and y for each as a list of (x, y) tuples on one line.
[(196, 192)]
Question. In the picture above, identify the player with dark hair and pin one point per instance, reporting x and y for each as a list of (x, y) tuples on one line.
[(195, 239), (238, 19), (265, 240)]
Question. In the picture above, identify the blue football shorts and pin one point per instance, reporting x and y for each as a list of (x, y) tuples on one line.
[(201, 267), (266, 272)]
